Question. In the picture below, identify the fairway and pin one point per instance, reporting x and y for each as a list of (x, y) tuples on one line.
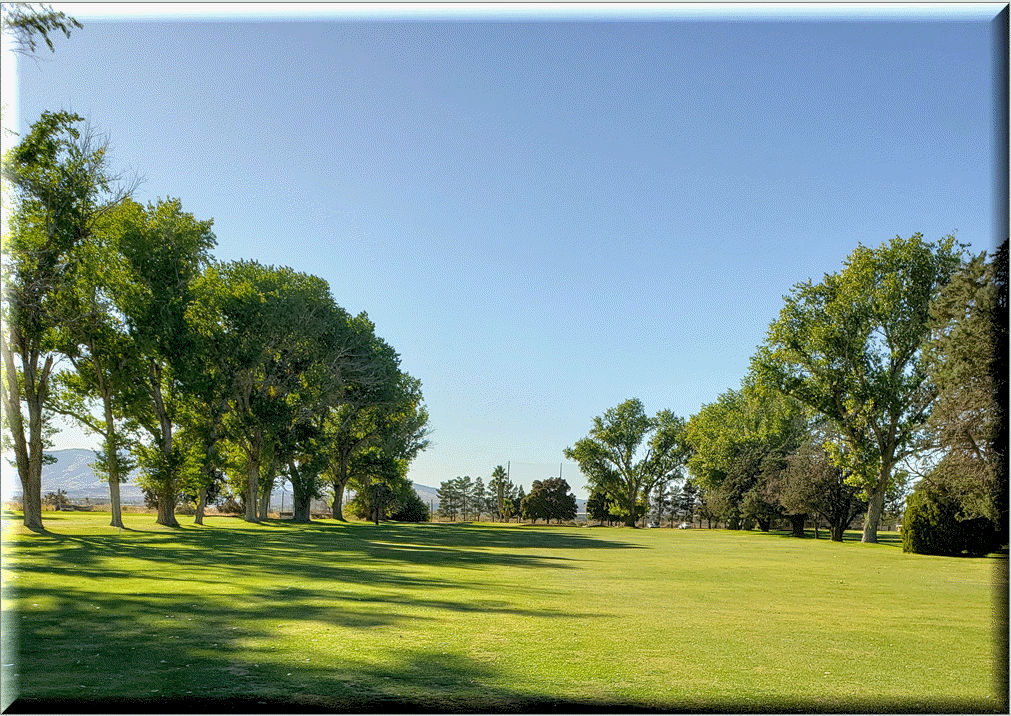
[(485, 617)]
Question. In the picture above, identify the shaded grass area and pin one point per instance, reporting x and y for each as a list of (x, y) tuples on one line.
[(484, 618)]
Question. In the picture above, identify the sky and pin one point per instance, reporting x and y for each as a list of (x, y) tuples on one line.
[(545, 210)]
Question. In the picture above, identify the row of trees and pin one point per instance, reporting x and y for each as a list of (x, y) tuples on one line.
[(501, 500), (117, 315), (890, 368), (470, 499)]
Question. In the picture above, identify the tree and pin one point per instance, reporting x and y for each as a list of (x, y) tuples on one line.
[(607, 456), (58, 500), (733, 441), (410, 508), (25, 23), (850, 349), (662, 501), (960, 358), (499, 488), (810, 482), (103, 389), (599, 506), (376, 403), (684, 504), (479, 498), (58, 184), (548, 499), (448, 500), (401, 437), (164, 250), (282, 348)]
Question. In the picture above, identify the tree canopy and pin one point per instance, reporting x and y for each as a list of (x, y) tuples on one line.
[(850, 349), (627, 452)]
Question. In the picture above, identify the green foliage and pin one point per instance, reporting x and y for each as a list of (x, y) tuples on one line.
[(931, 525), (57, 186), (456, 498), (627, 453), (736, 442), (57, 500), (26, 22), (961, 359), (849, 348), (549, 499), (411, 509)]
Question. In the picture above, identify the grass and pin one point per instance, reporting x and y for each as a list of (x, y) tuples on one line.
[(489, 618)]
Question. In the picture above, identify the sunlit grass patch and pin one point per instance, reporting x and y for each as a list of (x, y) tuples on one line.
[(489, 618)]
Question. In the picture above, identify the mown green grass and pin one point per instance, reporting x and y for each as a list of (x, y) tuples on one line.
[(486, 618)]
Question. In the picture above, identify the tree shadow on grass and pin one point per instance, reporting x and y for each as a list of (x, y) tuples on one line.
[(427, 682), (888, 539), (165, 649)]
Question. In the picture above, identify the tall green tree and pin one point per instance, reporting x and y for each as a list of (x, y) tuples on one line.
[(498, 486), (549, 499), (731, 441), (279, 335), (58, 185), (450, 498), (165, 250), (103, 390), (627, 453), (960, 358), (811, 483), (850, 348)]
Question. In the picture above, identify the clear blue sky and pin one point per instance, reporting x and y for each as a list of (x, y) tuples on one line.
[(548, 215)]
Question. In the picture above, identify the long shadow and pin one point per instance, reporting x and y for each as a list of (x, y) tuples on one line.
[(888, 539), (423, 682), (331, 550), (183, 654)]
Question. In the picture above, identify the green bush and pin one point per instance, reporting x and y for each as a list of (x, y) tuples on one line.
[(980, 536), (931, 526), (411, 509)]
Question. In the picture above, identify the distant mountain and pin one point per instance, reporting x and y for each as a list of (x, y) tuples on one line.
[(427, 494), (72, 473)]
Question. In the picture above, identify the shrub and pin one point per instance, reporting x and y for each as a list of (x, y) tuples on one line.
[(930, 524), (411, 509), (980, 536)]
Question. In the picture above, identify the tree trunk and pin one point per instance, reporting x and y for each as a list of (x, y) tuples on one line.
[(337, 508), (838, 529), (339, 482), (797, 523), (27, 453), (112, 460), (263, 506), (201, 505), (302, 502), (875, 504), (32, 487), (167, 490), (167, 509), (253, 479)]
